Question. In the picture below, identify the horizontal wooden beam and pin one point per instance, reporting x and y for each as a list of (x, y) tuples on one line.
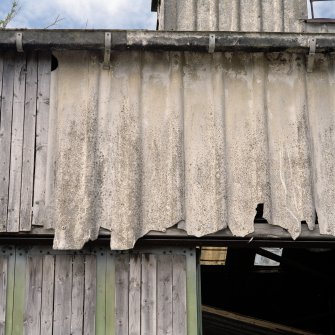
[(165, 40), (265, 235)]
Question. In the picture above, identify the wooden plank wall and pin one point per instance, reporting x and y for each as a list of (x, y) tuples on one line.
[(97, 291), (24, 123)]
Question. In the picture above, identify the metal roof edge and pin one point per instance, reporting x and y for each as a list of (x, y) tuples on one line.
[(166, 40)]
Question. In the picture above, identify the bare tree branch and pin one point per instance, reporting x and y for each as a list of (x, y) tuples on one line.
[(55, 22), (15, 8)]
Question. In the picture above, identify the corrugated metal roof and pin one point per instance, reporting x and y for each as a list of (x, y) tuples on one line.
[(232, 15), (166, 137)]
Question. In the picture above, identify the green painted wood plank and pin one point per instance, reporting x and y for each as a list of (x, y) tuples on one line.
[(19, 291), (10, 291), (192, 301), (110, 295), (100, 317)]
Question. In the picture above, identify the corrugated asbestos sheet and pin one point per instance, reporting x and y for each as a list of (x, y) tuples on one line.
[(199, 139), (195, 139), (233, 15)]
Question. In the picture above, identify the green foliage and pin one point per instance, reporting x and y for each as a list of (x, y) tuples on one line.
[(10, 15)]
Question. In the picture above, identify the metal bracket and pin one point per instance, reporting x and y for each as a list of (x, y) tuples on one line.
[(311, 55), (211, 44), (18, 42), (107, 54)]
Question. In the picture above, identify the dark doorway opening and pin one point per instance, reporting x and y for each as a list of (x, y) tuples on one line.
[(268, 291)]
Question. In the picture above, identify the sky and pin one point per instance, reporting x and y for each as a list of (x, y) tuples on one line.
[(83, 14), (324, 9), (101, 14)]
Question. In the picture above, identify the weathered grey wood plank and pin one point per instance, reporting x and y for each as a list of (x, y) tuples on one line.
[(90, 294), (164, 295), (5, 134), (14, 193), (179, 295), (121, 294), (2, 228), (32, 314), (10, 290), (78, 283), (28, 158), (148, 297), (199, 300), (42, 125), (100, 310), (47, 294), (52, 152), (62, 301), (192, 297), (135, 294), (3, 291)]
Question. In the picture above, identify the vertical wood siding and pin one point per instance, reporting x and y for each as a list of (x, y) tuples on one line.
[(24, 124), (97, 292)]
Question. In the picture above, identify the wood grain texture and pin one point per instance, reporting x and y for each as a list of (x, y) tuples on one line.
[(10, 290), (62, 298), (199, 300), (149, 295), (42, 125), (121, 294), (164, 295), (179, 295), (3, 291), (52, 152), (28, 155), (192, 293), (110, 294), (100, 317), (77, 298), (14, 193), (2, 220), (90, 294), (48, 282), (135, 294), (33, 300), (5, 134), (19, 291)]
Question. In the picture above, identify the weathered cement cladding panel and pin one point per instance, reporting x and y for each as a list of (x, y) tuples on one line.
[(194, 139), (43, 291), (233, 15)]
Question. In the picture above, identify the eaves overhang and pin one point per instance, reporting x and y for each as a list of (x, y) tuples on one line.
[(166, 40)]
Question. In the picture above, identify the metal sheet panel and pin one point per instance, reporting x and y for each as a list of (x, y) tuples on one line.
[(233, 15), (194, 139)]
